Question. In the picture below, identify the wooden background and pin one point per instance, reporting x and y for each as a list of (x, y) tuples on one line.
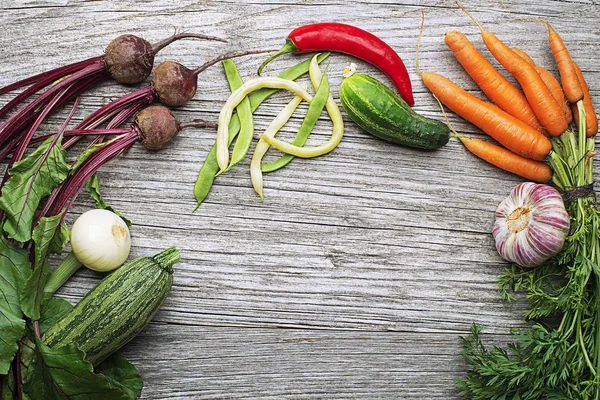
[(361, 269)]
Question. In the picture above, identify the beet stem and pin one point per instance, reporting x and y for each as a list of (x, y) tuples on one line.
[(75, 183), (51, 75), (158, 46), (25, 141), (197, 123), (77, 81), (226, 56)]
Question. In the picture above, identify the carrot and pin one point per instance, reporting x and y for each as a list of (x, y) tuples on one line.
[(509, 131), (536, 171), (547, 110), (523, 55), (568, 74), (496, 87), (556, 90), (591, 118), (551, 82)]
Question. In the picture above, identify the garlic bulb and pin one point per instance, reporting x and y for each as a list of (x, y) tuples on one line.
[(531, 224)]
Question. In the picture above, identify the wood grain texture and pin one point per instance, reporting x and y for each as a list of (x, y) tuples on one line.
[(361, 269)]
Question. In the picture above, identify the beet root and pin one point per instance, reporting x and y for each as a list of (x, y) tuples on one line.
[(158, 127), (175, 84), (129, 59)]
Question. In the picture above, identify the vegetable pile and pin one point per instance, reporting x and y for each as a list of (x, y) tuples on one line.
[(551, 234), (50, 349)]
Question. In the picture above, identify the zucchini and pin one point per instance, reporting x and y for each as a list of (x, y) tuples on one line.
[(118, 308), (383, 113)]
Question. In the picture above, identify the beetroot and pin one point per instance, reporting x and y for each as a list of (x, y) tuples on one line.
[(155, 127), (128, 60)]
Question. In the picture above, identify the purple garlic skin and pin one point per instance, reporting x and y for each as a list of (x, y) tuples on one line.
[(531, 224)]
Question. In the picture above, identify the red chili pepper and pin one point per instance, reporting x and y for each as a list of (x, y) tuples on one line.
[(348, 39)]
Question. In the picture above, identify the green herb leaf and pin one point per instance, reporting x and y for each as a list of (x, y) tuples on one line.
[(53, 311), (15, 269), (93, 187), (62, 372), (49, 236), (31, 179), (122, 374)]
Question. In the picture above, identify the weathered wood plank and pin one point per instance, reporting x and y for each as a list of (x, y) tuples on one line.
[(359, 271)]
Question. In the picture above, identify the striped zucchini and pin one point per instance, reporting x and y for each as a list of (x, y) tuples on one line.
[(383, 113), (118, 308)]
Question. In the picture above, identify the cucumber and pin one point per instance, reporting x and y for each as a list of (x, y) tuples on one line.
[(383, 113), (116, 309)]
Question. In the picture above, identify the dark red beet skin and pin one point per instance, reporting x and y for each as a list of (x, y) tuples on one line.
[(175, 84), (158, 127), (129, 59)]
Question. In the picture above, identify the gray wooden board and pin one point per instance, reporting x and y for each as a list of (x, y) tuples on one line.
[(361, 269)]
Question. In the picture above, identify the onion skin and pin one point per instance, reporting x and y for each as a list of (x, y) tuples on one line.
[(531, 224), (100, 240)]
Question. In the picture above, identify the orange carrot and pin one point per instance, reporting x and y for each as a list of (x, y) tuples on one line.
[(564, 62), (509, 131), (557, 91), (523, 55), (591, 118), (536, 171), (551, 82), (496, 87), (547, 110)]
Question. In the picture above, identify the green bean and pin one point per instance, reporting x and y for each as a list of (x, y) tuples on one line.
[(236, 97), (312, 115), (209, 169), (334, 113), (244, 112), (262, 146)]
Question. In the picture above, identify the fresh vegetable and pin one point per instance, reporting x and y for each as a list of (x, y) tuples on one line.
[(380, 111), (100, 240), (558, 355), (348, 39), (547, 110), (210, 167), (236, 97), (509, 131), (155, 127), (495, 86), (128, 59), (531, 224), (172, 84), (315, 108), (244, 113), (551, 82), (262, 146), (321, 85), (591, 119), (512, 133), (117, 309), (536, 171), (566, 68)]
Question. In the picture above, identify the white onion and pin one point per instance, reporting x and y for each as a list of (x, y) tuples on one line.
[(100, 240)]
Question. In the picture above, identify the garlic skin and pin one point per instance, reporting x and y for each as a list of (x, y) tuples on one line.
[(531, 224)]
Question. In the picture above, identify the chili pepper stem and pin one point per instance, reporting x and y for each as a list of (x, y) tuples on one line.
[(288, 47)]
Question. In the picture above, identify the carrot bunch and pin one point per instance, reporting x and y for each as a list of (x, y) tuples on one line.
[(523, 121)]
